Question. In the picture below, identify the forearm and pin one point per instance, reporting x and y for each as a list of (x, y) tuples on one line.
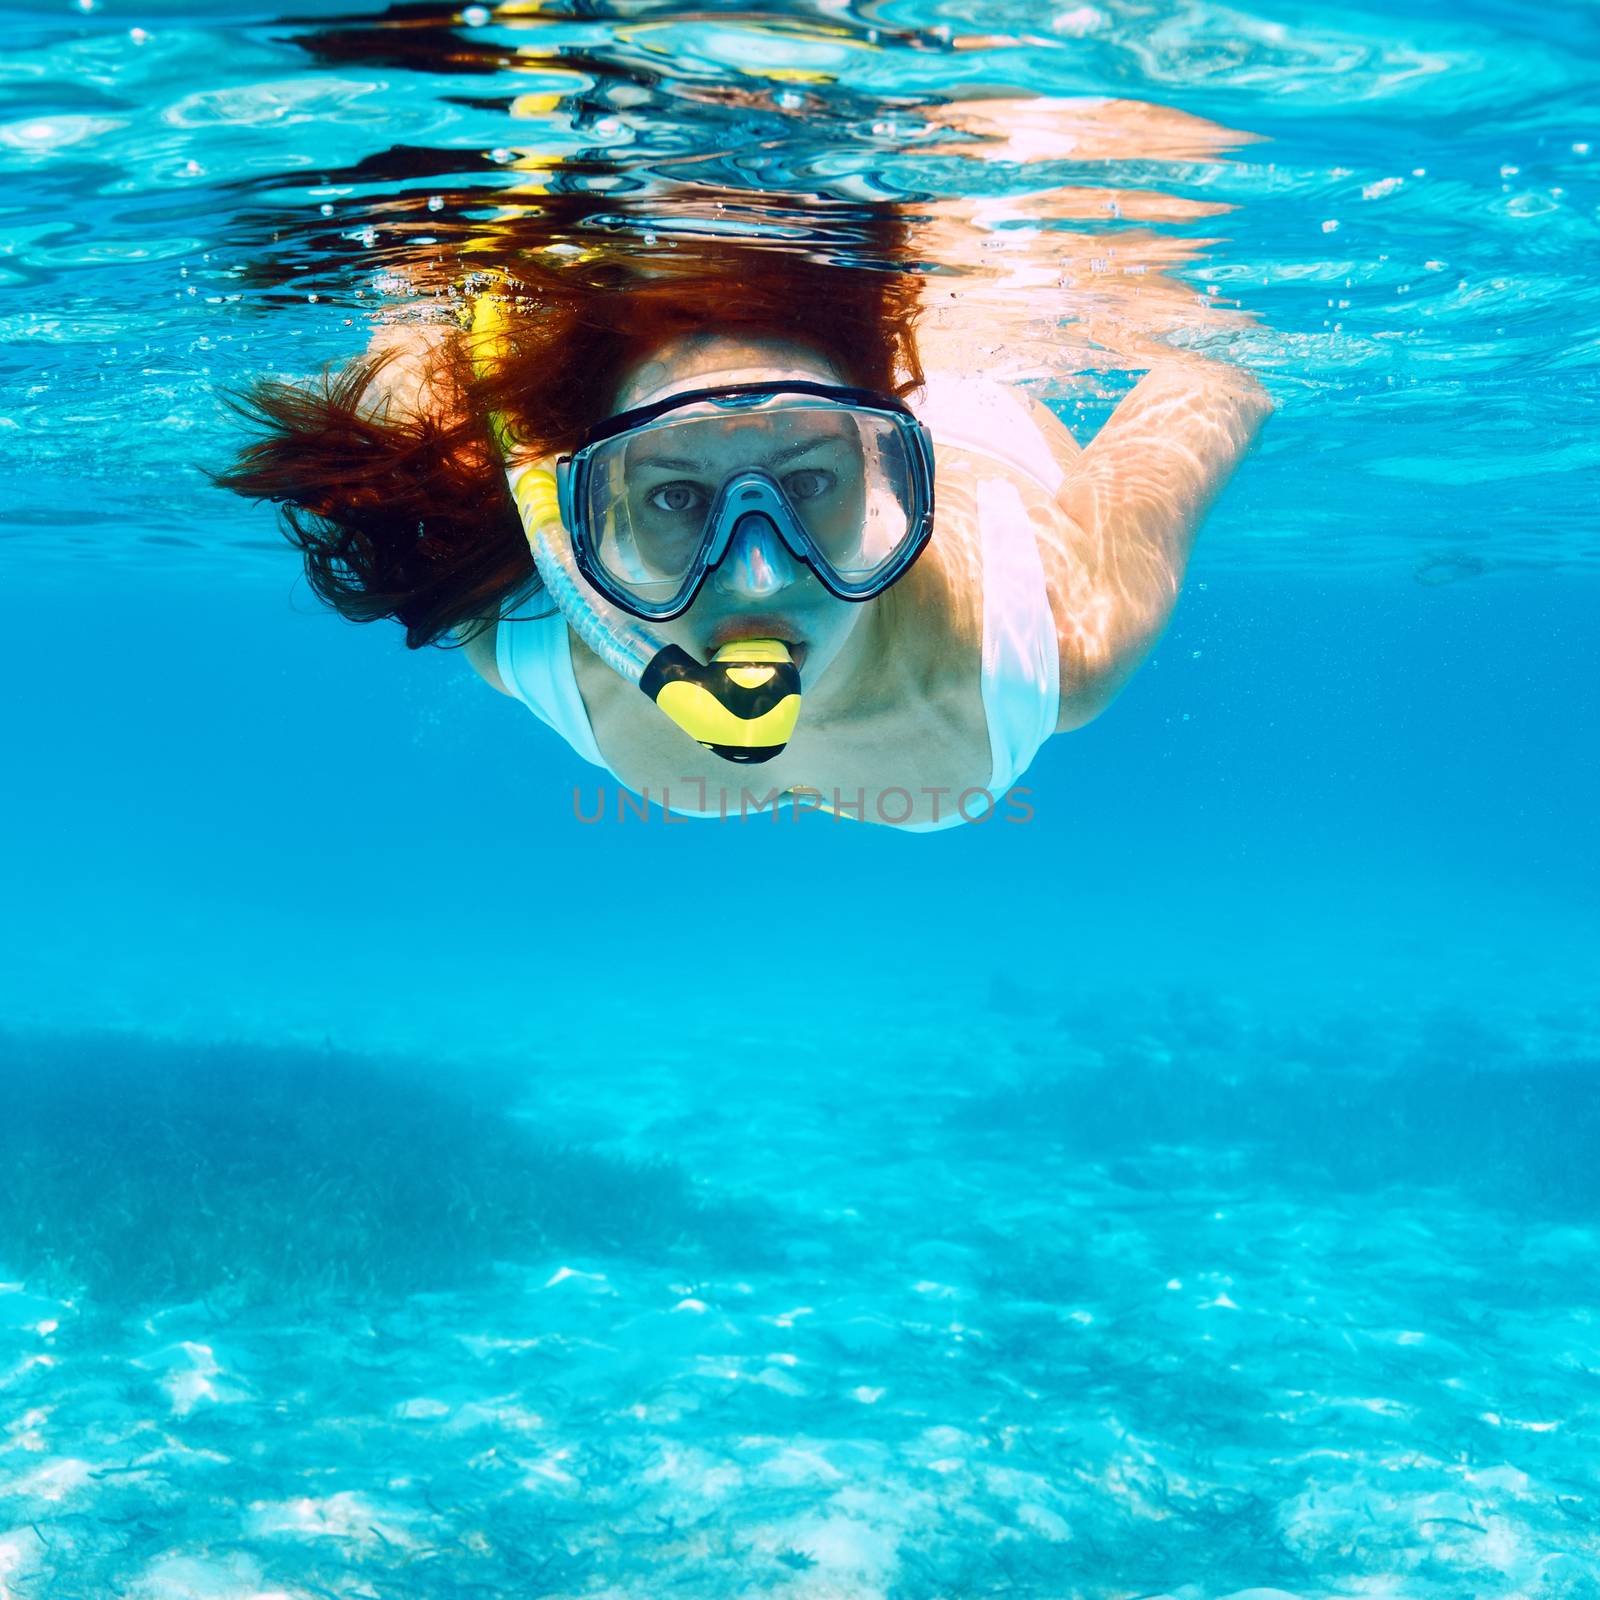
[(1138, 493), (1132, 504)]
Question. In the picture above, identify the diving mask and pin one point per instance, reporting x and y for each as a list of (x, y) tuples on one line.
[(836, 478)]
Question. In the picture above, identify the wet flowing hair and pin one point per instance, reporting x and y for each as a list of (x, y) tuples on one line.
[(408, 516)]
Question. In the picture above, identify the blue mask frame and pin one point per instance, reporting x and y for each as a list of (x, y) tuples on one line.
[(750, 493)]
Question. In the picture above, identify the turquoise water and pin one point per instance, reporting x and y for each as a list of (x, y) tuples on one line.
[(407, 1190)]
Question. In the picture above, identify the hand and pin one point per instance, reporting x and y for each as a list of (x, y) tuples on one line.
[(1019, 129)]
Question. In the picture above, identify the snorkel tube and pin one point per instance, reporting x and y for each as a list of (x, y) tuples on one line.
[(742, 705)]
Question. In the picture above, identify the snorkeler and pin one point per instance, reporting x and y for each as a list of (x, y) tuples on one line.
[(882, 587)]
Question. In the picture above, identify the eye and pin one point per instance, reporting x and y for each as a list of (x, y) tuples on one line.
[(809, 482), (677, 499)]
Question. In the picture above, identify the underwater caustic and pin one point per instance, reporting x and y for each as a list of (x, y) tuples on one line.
[(606, 1153)]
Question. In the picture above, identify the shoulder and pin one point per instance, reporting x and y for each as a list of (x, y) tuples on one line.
[(981, 500), (998, 422), (1003, 459), (410, 369), (1000, 456)]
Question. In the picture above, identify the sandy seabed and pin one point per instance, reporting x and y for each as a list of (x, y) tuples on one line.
[(1053, 1305)]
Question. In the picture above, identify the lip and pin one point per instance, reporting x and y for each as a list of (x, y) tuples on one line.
[(758, 627)]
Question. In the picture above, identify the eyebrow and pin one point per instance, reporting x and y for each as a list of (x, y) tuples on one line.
[(683, 464)]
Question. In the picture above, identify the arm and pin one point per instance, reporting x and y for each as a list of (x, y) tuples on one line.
[(1131, 504)]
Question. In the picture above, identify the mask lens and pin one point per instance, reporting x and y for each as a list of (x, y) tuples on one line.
[(647, 506), (853, 493), (846, 475)]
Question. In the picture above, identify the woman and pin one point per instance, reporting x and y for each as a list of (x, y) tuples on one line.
[(935, 652)]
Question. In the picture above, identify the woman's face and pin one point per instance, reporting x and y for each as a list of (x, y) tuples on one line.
[(758, 590)]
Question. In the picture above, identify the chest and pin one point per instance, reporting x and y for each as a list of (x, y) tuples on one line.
[(923, 732), (918, 727)]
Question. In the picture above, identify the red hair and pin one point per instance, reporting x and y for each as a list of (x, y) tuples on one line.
[(406, 516)]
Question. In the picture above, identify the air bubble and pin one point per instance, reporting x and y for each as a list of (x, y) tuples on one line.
[(475, 16)]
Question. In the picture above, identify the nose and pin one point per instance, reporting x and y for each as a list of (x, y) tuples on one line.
[(757, 565)]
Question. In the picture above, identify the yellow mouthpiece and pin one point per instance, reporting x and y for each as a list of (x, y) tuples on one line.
[(743, 704)]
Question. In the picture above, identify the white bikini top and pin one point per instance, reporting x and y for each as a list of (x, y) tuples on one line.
[(1021, 660)]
